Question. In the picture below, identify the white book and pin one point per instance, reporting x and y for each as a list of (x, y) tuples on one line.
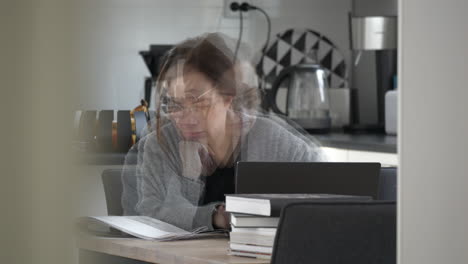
[(272, 204), (268, 231), (245, 220), (144, 227), (249, 254), (253, 236), (251, 248)]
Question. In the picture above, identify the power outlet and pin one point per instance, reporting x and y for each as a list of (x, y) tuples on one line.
[(228, 13)]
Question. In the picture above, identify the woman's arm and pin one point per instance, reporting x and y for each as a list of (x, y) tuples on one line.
[(311, 152), (164, 195), (169, 205)]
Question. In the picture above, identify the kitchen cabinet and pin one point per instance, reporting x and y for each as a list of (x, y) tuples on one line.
[(341, 147), (350, 155)]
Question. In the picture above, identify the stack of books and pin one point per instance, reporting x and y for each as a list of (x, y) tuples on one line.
[(255, 219), (252, 236)]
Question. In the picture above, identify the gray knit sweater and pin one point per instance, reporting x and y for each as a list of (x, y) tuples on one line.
[(165, 192)]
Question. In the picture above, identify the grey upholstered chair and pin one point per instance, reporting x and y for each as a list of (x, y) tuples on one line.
[(140, 123), (113, 181), (104, 130), (336, 233), (387, 184), (124, 130)]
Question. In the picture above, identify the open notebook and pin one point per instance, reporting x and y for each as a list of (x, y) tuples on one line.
[(143, 227)]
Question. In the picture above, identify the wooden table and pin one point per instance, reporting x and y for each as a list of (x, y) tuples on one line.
[(200, 251)]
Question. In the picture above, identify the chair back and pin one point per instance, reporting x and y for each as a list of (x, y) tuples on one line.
[(336, 233), (387, 184), (112, 182), (104, 130), (140, 123), (124, 130), (118, 184)]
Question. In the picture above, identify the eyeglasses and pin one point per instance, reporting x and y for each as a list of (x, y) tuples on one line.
[(196, 104)]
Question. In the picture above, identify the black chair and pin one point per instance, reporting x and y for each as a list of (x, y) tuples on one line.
[(104, 130), (113, 181), (124, 131), (140, 123), (336, 233), (387, 184)]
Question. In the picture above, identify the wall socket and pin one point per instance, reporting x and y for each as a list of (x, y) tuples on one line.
[(228, 13)]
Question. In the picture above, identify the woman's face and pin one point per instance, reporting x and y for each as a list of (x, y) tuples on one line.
[(196, 108)]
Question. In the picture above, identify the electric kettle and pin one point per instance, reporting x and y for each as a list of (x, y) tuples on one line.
[(307, 101)]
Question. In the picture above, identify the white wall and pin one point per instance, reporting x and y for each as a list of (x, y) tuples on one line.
[(433, 147), (109, 34), (329, 17)]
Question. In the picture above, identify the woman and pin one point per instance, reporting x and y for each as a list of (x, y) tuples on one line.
[(207, 120)]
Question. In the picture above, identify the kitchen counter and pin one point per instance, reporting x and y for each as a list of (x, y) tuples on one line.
[(363, 142)]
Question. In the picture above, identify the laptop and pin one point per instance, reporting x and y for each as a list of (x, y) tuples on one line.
[(308, 177)]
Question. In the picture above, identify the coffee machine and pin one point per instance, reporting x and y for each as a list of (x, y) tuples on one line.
[(373, 35), (152, 59), (376, 35)]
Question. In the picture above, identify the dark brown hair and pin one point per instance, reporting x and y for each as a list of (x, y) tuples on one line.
[(212, 56)]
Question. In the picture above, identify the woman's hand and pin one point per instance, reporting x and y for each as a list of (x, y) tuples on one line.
[(221, 218)]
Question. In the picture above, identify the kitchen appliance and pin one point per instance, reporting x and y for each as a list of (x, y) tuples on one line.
[(375, 35), (305, 46), (152, 59), (340, 100), (391, 112), (307, 101)]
